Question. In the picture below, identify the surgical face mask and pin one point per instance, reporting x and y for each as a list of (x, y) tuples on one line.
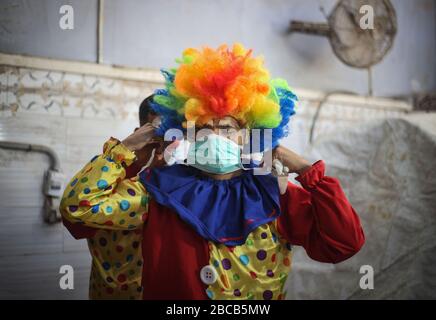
[(215, 154)]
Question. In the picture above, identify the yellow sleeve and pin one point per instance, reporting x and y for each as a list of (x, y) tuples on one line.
[(98, 196)]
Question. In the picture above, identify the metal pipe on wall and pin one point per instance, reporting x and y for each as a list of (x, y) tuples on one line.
[(55, 163), (100, 21), (53, 178)]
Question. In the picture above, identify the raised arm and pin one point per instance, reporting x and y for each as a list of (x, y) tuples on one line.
[(319, 217), (98, 196)]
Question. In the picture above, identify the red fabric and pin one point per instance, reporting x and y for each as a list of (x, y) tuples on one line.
[(143, 156), (79, 231), (173, 257), (133, 169), (316, 216), (319, 217)]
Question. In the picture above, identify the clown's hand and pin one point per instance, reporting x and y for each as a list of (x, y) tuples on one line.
[(278, 169), (286, 161), (140, 138), (281, 172)]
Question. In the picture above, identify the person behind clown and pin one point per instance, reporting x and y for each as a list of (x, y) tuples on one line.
[(213, 230), (129, 288)]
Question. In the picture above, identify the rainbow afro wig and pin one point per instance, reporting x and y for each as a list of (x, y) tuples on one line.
[(214, 83)]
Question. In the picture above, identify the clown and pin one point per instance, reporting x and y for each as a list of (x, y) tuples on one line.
[(210, 228)]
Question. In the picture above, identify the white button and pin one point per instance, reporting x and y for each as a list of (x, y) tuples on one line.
[(208, 274)]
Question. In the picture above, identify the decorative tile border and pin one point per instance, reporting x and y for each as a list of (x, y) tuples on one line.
[(92, 91)]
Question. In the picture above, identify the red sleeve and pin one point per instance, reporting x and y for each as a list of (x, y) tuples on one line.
[(79, 231), (319, 217), (133, 169)]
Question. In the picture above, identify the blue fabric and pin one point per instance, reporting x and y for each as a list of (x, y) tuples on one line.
[(223, 211)]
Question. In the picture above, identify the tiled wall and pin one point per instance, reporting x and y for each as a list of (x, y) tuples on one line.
[(73, 114)]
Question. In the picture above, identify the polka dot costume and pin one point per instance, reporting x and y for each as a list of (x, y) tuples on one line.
[(116, 264), (100, 189), (130, 239), (264, 258), (119, 207), (118, 213)]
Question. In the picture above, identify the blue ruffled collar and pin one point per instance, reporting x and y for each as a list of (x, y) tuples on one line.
[(223, 211)]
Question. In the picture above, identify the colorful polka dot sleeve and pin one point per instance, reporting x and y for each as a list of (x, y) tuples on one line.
[(99, 196)]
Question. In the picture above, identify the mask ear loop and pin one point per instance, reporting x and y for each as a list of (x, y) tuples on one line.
[(149, 162), (243, 168), (151, 158), (185, 160), (246, 138), (250, 155)]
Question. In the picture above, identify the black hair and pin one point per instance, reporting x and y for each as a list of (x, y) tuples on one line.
[(145, 110)]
